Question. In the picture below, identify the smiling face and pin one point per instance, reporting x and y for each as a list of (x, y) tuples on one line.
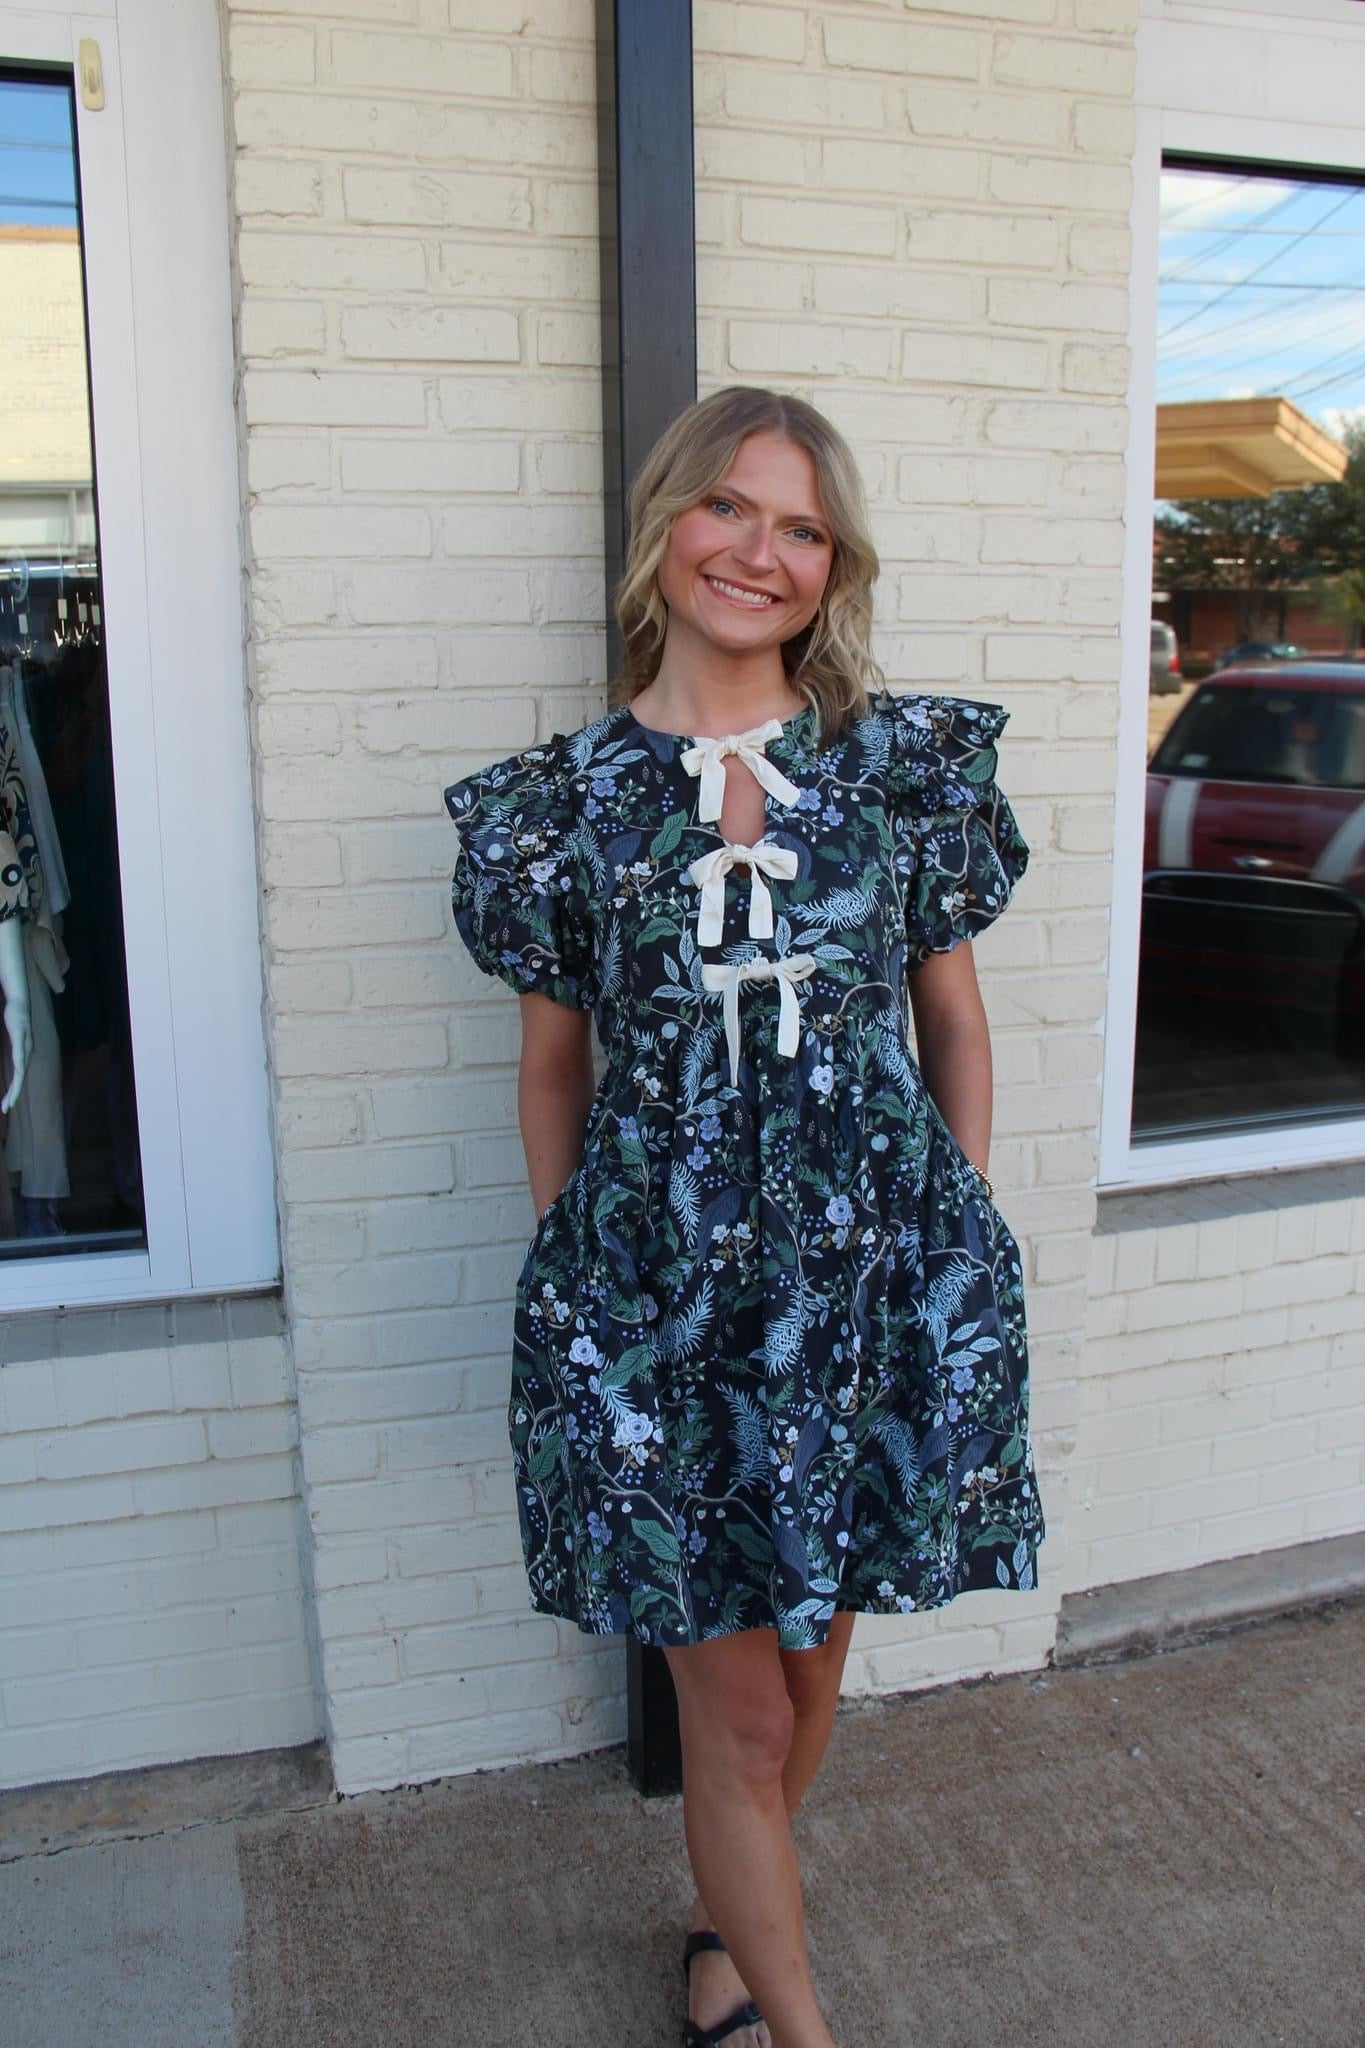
[(746, 568)]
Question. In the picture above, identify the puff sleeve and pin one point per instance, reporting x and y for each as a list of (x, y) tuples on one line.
[(964, 847), (515, 891)]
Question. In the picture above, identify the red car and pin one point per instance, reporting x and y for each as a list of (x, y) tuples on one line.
[(1253, 921)]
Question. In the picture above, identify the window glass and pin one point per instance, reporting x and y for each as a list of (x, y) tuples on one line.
[(1251, 982), (72, 1177)]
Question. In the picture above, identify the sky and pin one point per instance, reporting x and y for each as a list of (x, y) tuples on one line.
[(37, 165), (1262, 292)]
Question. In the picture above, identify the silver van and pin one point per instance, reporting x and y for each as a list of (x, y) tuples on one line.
[(1165, 673)]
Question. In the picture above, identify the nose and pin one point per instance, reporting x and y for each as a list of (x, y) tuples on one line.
[(757, 547)]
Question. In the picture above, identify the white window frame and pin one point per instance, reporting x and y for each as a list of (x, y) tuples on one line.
[(1205, 72), (155, 216)]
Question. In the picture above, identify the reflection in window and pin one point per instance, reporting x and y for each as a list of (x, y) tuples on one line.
[(72, 1179), (1251, 984)]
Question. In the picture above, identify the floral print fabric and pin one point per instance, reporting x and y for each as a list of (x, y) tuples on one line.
[(19, 874), (769, 1346)]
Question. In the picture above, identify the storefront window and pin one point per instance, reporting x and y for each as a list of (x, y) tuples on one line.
[(1251, 987), (72, 1180)]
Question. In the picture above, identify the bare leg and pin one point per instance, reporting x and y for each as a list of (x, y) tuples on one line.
[(737, 1723), (812, 1679)]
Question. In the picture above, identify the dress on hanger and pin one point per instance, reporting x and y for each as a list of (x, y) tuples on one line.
[(35, 1138), (18, 846), (769, 1343)]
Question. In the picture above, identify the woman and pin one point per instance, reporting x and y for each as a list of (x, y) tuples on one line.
[(769, 1347)]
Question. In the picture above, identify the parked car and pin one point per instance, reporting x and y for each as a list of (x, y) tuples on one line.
[(1165, 674), (1260, 650), (1254, 863)]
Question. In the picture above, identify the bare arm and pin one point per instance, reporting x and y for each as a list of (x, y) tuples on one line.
[(954, 1046), (555, 1087)]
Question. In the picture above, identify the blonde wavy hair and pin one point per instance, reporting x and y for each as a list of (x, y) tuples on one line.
[(830, 662)]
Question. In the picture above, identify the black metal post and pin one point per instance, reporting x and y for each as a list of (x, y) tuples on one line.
[(649, 374)]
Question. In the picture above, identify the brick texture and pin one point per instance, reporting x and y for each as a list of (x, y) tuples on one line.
[(418, 279), (947, 277), (1222, 1396), (151, 1592), (415, 191), (918, 217)]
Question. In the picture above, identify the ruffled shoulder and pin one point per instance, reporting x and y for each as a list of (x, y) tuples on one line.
[(941, 742), (515, 891), (966, 849), (531, 781)]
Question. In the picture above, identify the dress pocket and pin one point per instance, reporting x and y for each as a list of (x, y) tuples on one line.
[(979, 1180), (548, 1218)]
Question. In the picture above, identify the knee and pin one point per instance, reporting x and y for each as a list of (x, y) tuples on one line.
[(812, 1680), (742, 1737), (760, 1735)]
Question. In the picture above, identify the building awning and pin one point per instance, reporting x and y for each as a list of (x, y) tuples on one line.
[(1241, 448)]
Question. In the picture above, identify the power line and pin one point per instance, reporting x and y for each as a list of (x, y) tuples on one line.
[(1221, 366), (1315, 369), (1238, 284), (1328, 234), (1241, 283), (1233, 235), (1200, 200), (1356, 369), (1199, 343)]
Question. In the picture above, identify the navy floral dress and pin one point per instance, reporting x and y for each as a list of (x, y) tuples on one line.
[(769, 1351)]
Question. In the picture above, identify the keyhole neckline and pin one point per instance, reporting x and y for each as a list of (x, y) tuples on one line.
[(657, 732)]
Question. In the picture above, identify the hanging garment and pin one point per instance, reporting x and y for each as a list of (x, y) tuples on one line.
[(49, 953), (35, 1136)]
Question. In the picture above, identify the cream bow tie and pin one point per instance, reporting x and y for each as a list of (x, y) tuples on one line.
[(709, 871), (706, 757), (727, 976)]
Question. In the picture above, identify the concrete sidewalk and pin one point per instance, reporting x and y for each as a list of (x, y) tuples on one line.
[(1164, 1852)]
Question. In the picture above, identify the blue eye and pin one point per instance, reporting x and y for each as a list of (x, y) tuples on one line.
[(717, 504)]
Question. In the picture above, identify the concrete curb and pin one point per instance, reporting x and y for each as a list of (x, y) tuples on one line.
[(161, 1799), (1168, 1609)]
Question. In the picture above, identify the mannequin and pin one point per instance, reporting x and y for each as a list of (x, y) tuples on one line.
[(18, 1014)]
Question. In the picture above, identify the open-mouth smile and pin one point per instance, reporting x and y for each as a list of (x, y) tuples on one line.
[(735, 593)]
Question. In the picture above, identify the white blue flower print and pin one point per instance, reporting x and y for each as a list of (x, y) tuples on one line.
[(769, 1350)]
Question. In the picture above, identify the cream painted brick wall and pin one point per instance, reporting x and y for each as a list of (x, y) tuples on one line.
[(921, 225), (1222, 1397), (911, 217), (918, 217), (151, 1600), (43, 387), (416, 200)]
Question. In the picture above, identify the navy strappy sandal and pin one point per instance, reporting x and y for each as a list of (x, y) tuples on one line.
[(747, 2015)]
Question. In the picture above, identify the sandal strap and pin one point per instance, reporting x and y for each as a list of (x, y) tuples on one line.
[(743, 2016), (700, 1938)]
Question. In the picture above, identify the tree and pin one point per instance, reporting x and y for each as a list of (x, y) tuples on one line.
[(1265, 548)]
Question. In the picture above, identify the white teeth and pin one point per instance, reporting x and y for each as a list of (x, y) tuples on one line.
[(756, 598)]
